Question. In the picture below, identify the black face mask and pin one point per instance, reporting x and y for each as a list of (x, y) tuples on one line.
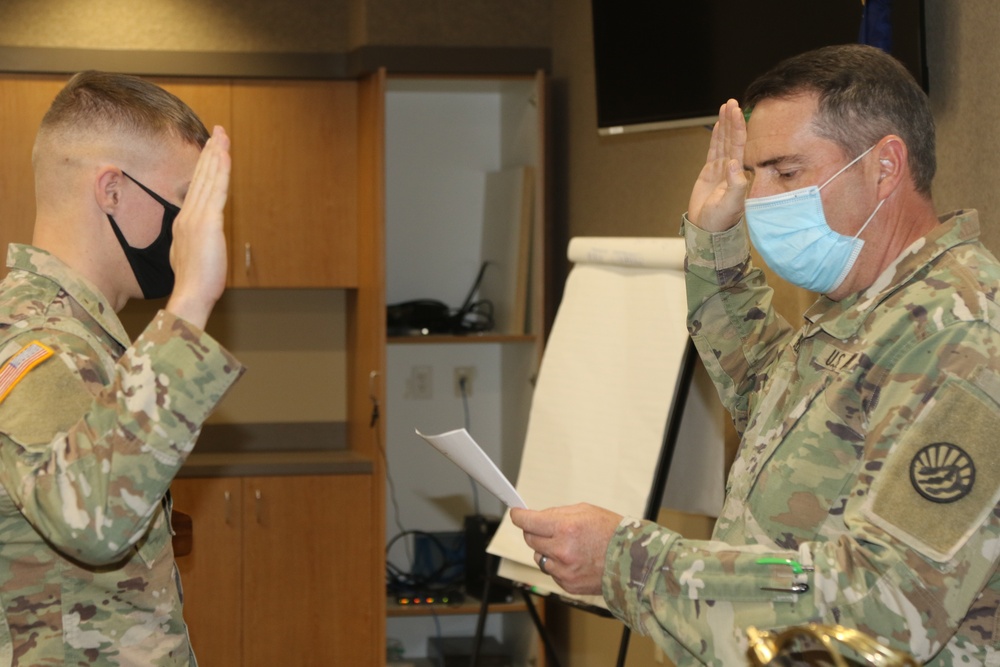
[(151, 265)]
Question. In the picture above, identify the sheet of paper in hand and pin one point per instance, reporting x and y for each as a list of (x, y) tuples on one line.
[(466, 453)]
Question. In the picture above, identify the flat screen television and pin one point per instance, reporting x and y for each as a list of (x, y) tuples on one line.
[(672, 63)]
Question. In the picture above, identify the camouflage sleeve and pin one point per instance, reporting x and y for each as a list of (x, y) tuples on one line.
[(88, 456), (685, 594), (909, 558), (737, 332)]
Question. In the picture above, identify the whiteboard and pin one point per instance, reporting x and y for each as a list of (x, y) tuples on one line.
[(603, 396)]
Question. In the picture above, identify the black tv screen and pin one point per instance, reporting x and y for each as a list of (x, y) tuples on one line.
[(671, 63)]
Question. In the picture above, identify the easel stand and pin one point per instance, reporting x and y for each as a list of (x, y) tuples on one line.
[(550, 653), (653, 504)]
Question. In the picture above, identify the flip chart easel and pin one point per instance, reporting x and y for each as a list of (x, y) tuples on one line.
[(609, 402)]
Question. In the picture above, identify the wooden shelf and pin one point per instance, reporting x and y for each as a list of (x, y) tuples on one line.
[(470, 338), (470, 606), (250, 464)]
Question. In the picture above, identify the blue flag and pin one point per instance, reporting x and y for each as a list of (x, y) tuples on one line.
[(876, 24)]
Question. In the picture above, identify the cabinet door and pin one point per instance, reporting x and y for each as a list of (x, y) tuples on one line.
[(308, 548), (209, 98), (24, 99), (294, 184), (212, 574)]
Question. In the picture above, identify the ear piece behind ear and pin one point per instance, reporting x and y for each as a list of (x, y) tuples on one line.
[(887, 164)]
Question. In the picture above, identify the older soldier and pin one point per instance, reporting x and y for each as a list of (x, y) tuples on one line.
[(865, 492), (93, 426)]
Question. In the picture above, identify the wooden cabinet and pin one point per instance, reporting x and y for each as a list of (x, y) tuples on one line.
[(212, 573), (293, 202), (24, 99), (279, 570), (295, 184), (289, 569), (211, 99)]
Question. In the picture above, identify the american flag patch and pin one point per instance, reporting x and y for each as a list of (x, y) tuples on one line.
[(27, 358)]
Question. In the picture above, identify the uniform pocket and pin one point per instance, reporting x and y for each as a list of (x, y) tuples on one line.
[(811, 462)]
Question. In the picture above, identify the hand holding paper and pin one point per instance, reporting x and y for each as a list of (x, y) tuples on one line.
[(574, 540), (466, 453)]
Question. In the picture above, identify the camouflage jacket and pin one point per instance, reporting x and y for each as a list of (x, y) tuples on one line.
[(865, 490), (92, 431)]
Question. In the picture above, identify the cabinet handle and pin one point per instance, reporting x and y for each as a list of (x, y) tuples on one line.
[(257, 504), (229, 508), (247, 257)]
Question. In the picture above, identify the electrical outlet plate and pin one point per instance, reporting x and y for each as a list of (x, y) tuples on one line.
[(420, 384), (468, 373)]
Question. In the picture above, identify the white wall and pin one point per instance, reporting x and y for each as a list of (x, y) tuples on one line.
[(433, 494), (439, 148)]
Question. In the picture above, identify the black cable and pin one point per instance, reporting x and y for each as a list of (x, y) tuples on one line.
[(388, 476), (399, 579)]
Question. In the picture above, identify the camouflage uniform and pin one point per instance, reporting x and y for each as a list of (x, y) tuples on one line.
[(90, 439), (865, 492)]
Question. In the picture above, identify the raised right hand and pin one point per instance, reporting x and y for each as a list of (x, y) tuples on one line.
[(716, 202), (198, 254)]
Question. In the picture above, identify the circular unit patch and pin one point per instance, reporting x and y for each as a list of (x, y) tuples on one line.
[(942, 472)]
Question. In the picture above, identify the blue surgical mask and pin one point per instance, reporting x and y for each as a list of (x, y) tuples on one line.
[(791, 233)]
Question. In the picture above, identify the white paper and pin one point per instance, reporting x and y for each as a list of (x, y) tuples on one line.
[(466, 453)]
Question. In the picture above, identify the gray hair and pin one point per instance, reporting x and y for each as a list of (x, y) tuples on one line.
[(864, 95)]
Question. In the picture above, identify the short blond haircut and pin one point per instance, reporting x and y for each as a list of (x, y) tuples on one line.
[(112, 103)]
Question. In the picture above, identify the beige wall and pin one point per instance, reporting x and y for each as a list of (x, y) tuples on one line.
[(272, 25), (497, 23), (964, 59), (177, 25)]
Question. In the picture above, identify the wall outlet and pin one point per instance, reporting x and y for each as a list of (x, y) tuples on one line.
[(464, 374), (420, 384)]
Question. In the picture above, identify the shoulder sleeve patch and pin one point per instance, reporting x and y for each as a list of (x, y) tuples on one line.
[(44, 403), (18, 366), (942, 481)]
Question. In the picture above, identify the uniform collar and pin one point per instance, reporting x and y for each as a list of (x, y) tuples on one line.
[(842, 319), (45, 264)]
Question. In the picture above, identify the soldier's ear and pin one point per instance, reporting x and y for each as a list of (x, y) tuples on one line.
[(892, 164), (108, 188)]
